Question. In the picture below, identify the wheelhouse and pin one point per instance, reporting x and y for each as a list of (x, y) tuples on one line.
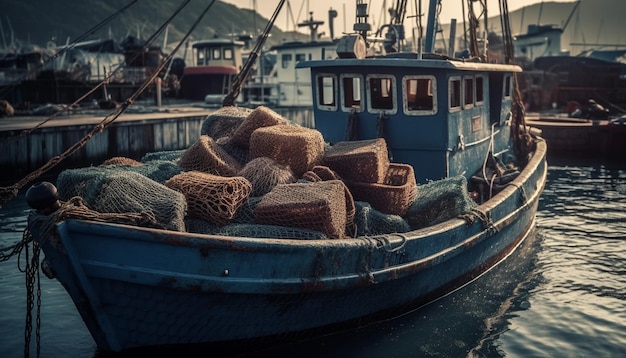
[(216, 63), (435, 114)]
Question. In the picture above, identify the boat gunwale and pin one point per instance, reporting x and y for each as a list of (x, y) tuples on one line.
[(212, 283)]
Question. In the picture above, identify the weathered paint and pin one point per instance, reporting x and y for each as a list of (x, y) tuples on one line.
[(244, 288)]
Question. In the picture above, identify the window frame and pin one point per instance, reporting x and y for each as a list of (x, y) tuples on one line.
[(229, 54), (405, 95), (457, 108), (216, 53), (393, 95), (344, 76), (464, 100), (507, 86), (478, 103), (318, 88), (285, 60)]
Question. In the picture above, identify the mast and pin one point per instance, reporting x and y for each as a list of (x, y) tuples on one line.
[(431, 26)]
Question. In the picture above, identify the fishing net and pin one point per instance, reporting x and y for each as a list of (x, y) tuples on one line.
[(128, 192), (83, 182), (321, 173), (297, 147), (264, 174), (253, 230), (396, 193), (158, 170), (369, 221), (122, 161), (171, 155), (206, 156), (258, 118), (245, 213), (363, 161), (235, 151), (224, 121), (319, 206), (439, 201), (211, 197)]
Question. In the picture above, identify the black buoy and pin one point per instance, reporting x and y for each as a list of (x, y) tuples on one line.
[(43, 197)]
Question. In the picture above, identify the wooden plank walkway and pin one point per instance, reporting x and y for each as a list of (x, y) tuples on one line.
[(131, 135)]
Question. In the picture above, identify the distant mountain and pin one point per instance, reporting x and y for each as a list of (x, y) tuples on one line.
[(58, 21), (41, 21)]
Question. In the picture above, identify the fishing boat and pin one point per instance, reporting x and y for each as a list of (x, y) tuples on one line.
[(216, 63), (417, 178)]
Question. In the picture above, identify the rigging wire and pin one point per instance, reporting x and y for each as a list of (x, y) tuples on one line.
[(229, 100), (73, 44), (7, 193)]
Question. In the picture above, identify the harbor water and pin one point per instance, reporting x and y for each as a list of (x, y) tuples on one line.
[(561, 294)]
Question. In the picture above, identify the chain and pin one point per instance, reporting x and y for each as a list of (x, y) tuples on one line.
[(32, 278)]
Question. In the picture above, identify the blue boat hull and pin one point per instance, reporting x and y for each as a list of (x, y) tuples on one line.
[(138, 287)]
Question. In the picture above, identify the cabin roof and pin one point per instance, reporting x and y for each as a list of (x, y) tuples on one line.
[(217, 41), (300, 44), (412, 63)]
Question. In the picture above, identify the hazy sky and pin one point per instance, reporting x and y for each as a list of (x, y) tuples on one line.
[(298, 10)]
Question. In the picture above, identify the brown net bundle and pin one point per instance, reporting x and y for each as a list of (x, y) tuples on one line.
[(211, 197), (224, 121), (130, 192), (396, 193), (298, 147), (364, 161), (122, 161), (439, 201), (325, 173), (322, 173), (369, 221), (264, 174), (253, 230), (235, 151), (310, 176), (206, 156), (317, 206), (258, 118)]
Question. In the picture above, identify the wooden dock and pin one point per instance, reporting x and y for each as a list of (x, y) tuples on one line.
[(132, 135)]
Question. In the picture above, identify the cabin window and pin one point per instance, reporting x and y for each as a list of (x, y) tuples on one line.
[(454, 93), (419, 95), (286, 60), (480, 94), (201, 56), (217, 53), (228, 53), (351, 92), (381, 96), (300, 57), (326, 89), (507, 86), (468, 92)]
